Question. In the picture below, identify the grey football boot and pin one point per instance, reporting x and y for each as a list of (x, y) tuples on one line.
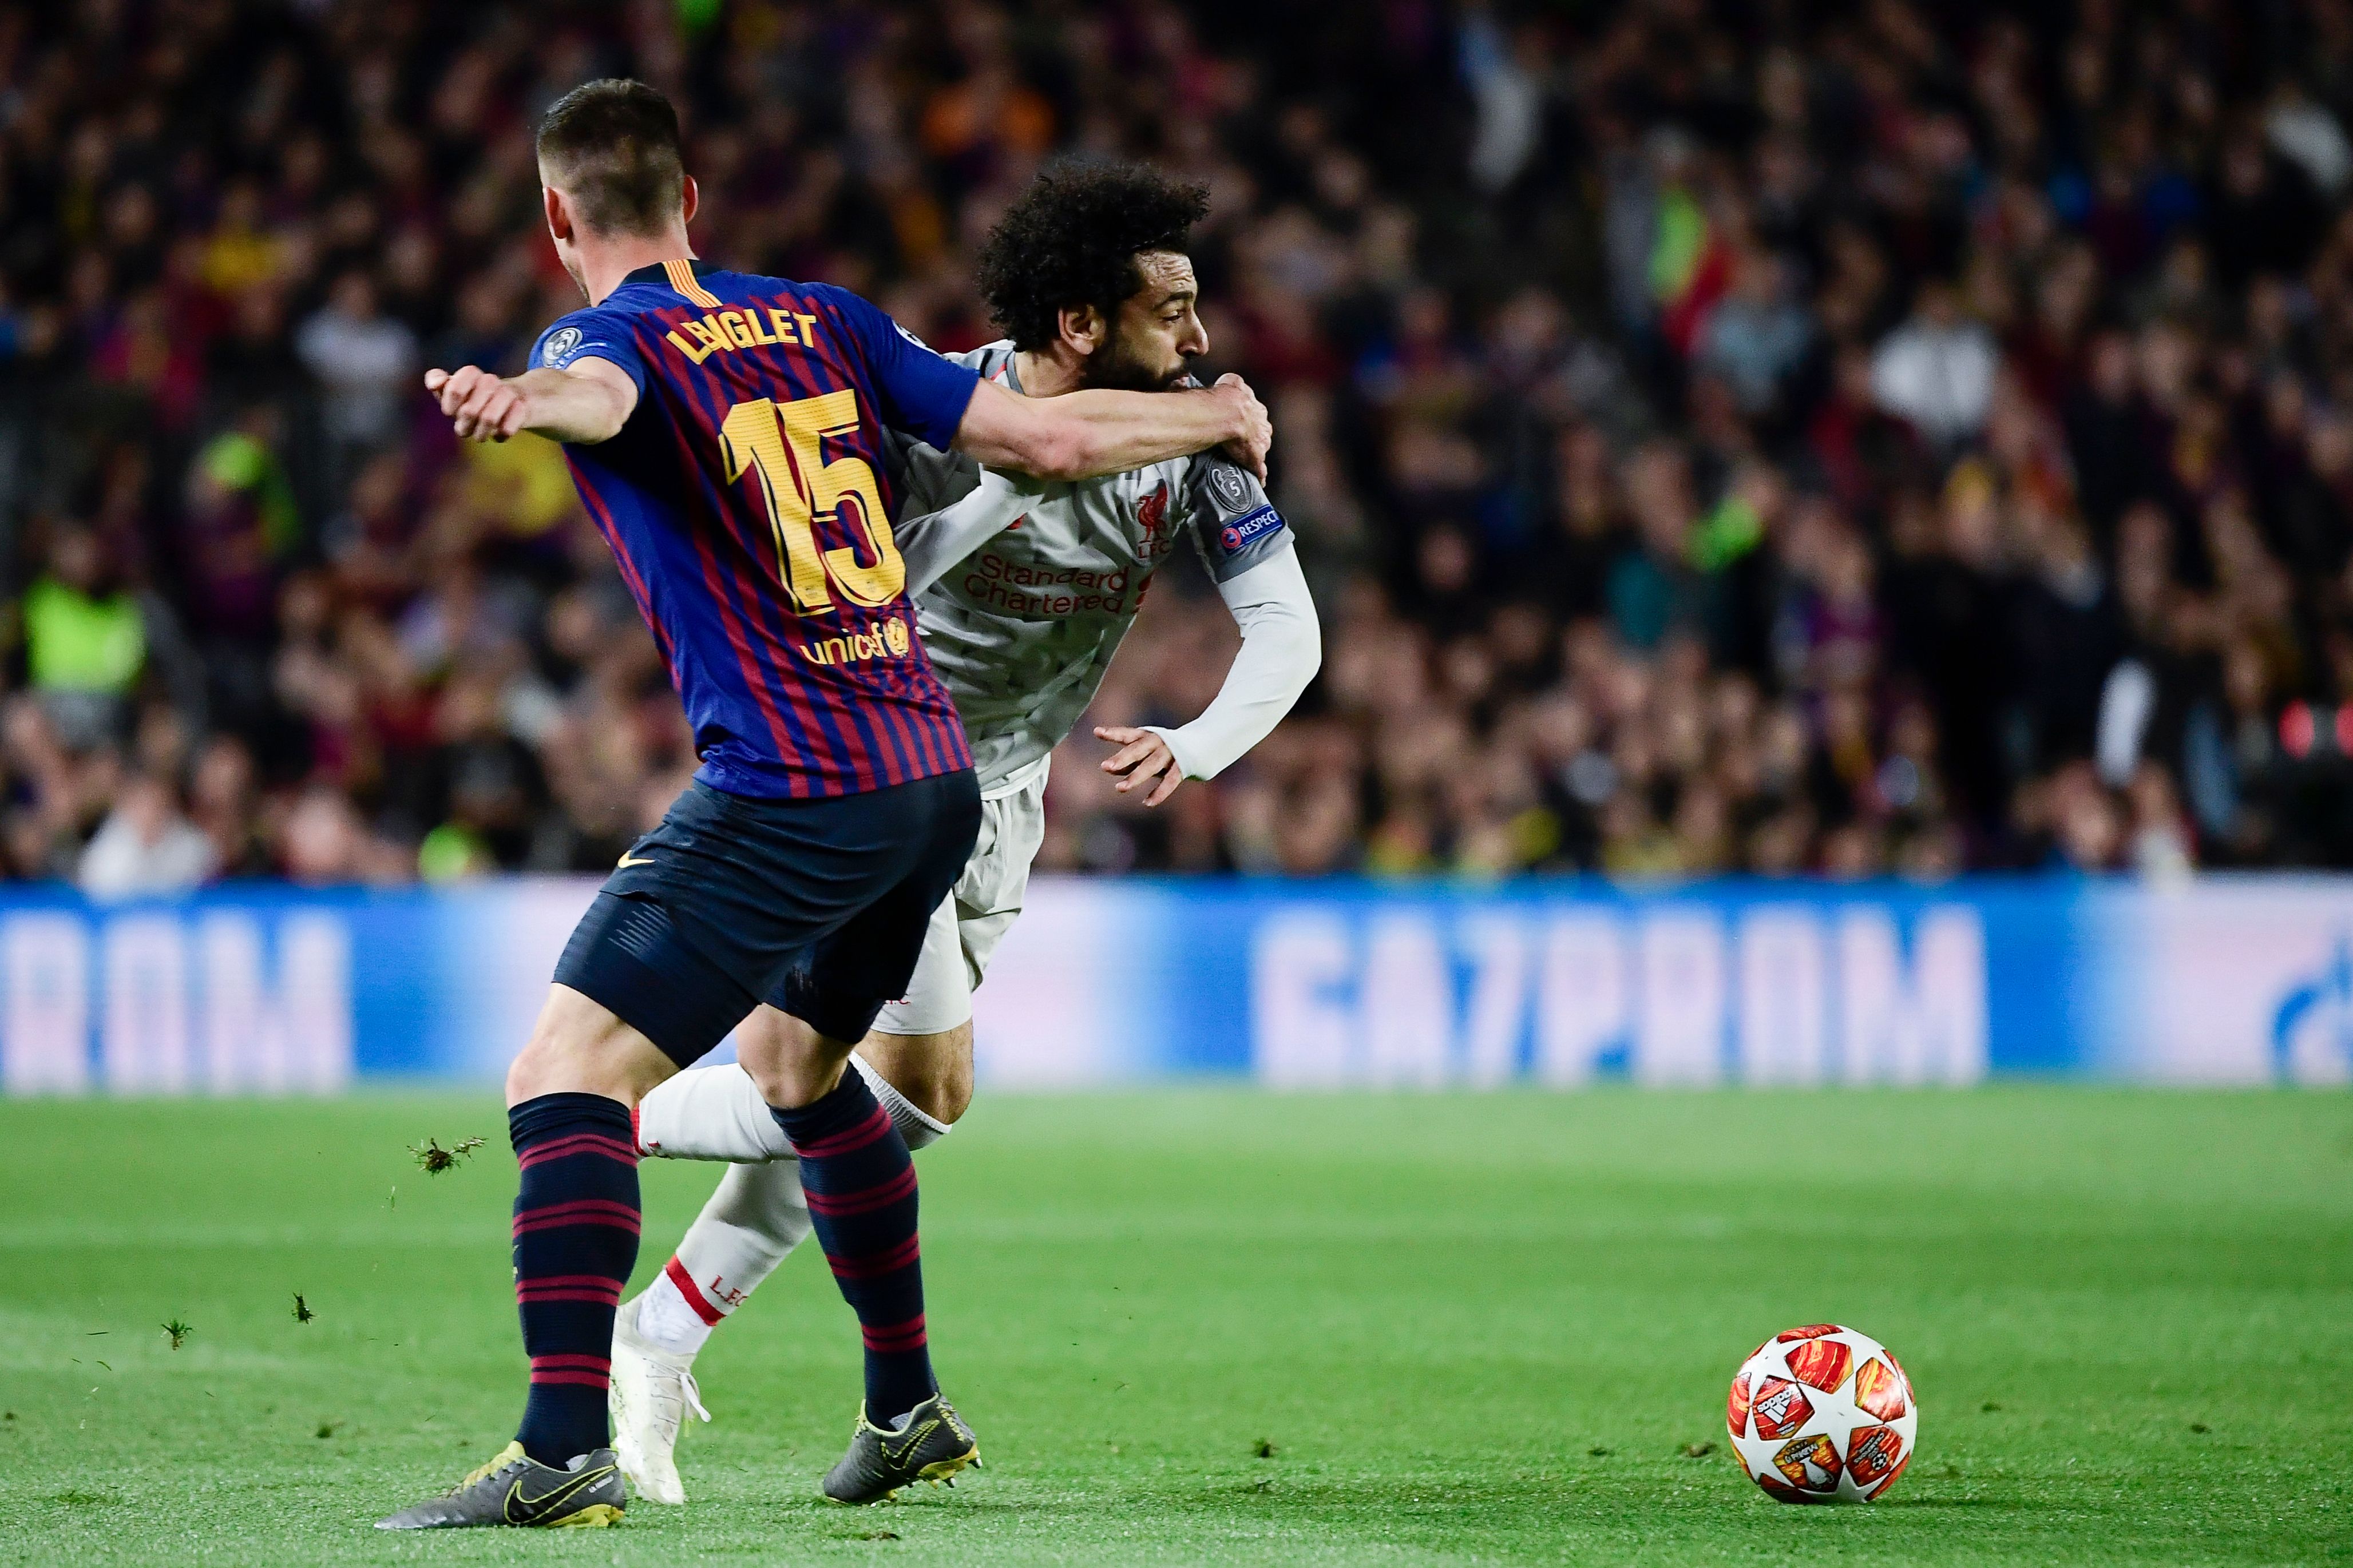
[(517, 1490), (933, 1445)]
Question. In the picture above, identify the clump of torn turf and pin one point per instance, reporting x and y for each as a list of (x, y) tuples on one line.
[(179, 1332), (433, 1158), (1698, 1450), (302, 1313)]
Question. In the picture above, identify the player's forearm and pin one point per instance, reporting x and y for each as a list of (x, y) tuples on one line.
[(1283, 648), (1082, 434), (1112, 432), (931, 543), (564, 405)]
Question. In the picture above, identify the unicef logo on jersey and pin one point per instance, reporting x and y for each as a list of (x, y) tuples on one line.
[(890, 639), (560, 347)]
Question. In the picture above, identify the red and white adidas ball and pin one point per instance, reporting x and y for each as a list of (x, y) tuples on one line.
[(1822, 1414)]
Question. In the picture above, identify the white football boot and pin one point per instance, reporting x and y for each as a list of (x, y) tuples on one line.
[(653, 1390)]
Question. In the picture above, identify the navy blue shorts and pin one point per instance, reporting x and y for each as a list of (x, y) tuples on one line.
[(817, 907)]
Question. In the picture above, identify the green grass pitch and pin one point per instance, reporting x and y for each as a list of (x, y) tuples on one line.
[(1469, 1329)]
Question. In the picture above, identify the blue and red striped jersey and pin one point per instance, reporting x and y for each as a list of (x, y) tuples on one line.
[(748, 504)]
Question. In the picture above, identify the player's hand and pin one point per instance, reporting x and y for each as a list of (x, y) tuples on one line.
[(481, 407), (1249, 448), (1142, 757)]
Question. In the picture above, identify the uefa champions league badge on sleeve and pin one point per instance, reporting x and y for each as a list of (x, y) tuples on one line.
[(1232, 490), (561, 346)]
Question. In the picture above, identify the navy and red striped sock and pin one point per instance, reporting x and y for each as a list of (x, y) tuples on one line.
[(576, 1239), (860, 1185)]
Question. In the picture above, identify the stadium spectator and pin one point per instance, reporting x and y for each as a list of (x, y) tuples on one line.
[(145, 846), (365, 363), (1936, 370)]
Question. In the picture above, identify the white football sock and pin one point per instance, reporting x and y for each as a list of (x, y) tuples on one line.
[(668, 1321), (711, 1113), (751, 1224), (758, 1215), (717, 1113)]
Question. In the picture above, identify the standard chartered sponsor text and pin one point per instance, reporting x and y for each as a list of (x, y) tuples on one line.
[(1015, 589)]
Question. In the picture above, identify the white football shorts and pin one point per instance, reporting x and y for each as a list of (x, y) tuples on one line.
[(977, 912)]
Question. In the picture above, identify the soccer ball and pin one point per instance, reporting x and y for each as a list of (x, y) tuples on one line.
[(1822, 1414)]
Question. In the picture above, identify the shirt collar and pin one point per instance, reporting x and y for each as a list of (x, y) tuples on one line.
[(658, 272)]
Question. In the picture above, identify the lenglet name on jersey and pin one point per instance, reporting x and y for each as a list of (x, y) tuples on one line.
[(724, 331)]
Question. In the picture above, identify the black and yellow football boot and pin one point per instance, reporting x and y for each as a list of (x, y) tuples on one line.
[(932, 1445), (516, 1490)]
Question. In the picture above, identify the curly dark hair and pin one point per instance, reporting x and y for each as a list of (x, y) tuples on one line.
[(1072, 239)]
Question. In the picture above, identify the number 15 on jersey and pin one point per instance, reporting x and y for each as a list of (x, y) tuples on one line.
[(782, 443)]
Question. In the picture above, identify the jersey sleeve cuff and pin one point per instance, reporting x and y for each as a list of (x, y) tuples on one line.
[(1188, 763)]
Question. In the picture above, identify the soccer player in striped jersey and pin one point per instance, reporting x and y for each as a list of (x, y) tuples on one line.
[(728, 433), (1088, 273)]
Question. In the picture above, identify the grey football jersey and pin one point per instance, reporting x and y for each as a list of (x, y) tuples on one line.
[(1023, 628)]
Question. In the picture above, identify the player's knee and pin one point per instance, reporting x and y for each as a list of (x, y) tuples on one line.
[(797, 1078), (549, 1064), (791, 1063), (578, 1047)]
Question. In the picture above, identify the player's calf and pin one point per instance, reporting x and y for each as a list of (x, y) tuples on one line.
[(755, 1220), (860, 1181), (751, 1222), (574, 1239)]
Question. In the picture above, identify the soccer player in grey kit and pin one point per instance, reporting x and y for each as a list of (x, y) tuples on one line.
[(1023, 591)]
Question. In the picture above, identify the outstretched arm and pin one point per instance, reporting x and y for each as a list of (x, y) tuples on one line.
[(1081, 435), (585, 403), (1283, 648)]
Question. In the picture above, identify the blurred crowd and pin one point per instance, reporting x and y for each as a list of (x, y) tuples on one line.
[(1865, 439)]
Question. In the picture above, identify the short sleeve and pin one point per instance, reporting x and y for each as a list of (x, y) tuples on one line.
[(590, 334), (917, 390), (1233, 523)]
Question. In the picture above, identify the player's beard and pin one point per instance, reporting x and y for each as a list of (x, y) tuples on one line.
[(1115, 368)]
